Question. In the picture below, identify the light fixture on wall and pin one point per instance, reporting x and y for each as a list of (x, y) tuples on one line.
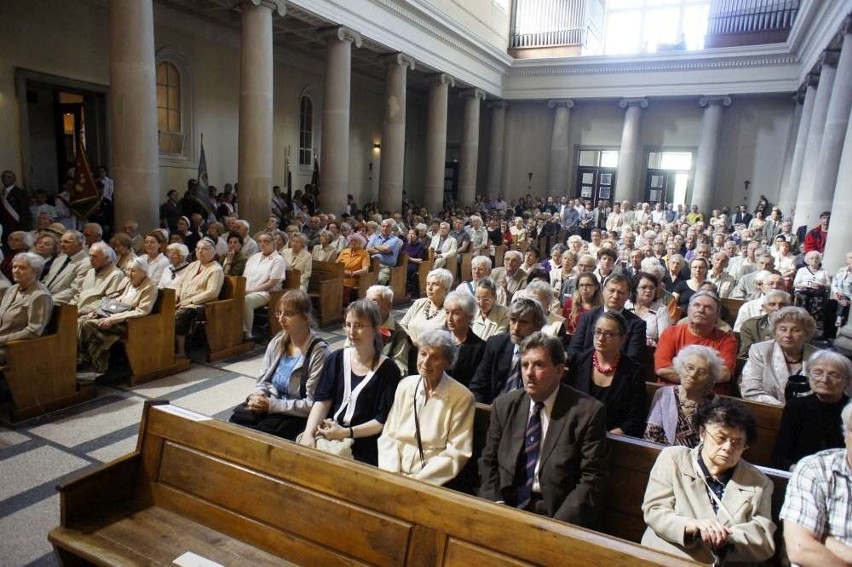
[(377, 147)]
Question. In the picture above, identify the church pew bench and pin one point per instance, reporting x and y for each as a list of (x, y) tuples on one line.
[(41, 373), (371, 278), (466, 259), (399, 279), (499, 252), (223, 321), (423, 271), (326, 290), (150, 342), (730, 308), (291, 281), (176, 493)]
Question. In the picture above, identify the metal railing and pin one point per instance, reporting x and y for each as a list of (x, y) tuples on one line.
[(548, 23), (748, 16)]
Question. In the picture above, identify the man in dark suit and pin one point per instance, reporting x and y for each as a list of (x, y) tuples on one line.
[(615, 295), (546, 450), (14, 206), (742, 216), (500, 368)]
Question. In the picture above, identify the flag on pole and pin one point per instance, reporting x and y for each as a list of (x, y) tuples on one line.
[(85, 197), (202, 167), (289, 178)]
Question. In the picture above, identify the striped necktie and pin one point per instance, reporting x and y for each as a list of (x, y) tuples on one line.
[(532, 449)]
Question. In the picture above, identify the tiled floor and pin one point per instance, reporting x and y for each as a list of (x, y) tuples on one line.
[(47, 451)]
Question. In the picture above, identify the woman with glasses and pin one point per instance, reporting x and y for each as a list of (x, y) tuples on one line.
[(298, 258), (284, 393), (707, 504), (356, 388), (586, 296), (612, 378), (670, 420), (646, 305), (491, 318), (264, 273), (811, 424)]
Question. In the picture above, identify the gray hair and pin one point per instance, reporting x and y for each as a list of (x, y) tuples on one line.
[(777, 294), (653, 266), (487, 283), (383, 291), (138, 262), (98, 228), (77, 235), (831, 357), (27, 237), (463, 300), (443, 275), (477, 260), (327, 233), (180, 248), (243, 223), (526, 306), (710, 355), (813, 254), (104, 247), (539, 287), (706, 293), (301, 236), (513, 253), (792, 314), (441, 340), (35, 261), (846, 417)]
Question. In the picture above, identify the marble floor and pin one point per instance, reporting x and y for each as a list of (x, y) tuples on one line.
[(39, 454)]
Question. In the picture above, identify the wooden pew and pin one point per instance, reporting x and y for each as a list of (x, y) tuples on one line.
[(499, 252), (326, 289), (224, 492), (42, 373), (732, 306), (364, 281), (150, 342), (466, 259), (399, 279), (291, 281), (224, 321), (423, 272)]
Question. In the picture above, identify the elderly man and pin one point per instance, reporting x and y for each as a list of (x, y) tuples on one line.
[(770, 279), (93, 232), (719, 277), (65, 277), (700, 329), (480, 268), (385, 246), (816, 511), (510, 277), (478, 236), (444, 245), (264, 273), (103, 280), (137, 241), (250, 247), (750, 285), (395, 341), (546, 448), (499, 370), (757, 329)]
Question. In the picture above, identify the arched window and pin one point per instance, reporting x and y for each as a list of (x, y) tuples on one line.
[(306, 131), (169, 115)]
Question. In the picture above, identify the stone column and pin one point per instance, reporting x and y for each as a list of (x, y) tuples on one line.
[(255, 138), (393, 132), (436, 142), (334, 164), (496, 146), (469, 146), (811, 200), (133, 128), (840, 229), (627, 177), (805, 96), (560, 154), (708, 149)]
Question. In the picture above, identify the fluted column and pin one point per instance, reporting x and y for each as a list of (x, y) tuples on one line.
[(469, 154), (133, 129), (255, 138), (557, 181), (393, 132), (436, 142), (805, 96), (627, 178), (496, 145), (335, 117), (811, 200), (840, 229), (708, 149)]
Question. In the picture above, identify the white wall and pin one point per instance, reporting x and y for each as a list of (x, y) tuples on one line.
[(487, 19)]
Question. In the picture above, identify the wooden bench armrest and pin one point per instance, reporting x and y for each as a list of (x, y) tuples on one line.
[(218, 306), (143, 325), (99, 490)]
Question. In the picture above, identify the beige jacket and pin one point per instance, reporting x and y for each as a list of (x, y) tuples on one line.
[(201, 284)]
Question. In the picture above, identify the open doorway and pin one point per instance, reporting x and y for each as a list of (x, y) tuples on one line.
[(596, 173), (668, 177)]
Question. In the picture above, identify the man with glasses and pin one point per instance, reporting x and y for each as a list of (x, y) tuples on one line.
[(757, 329), (264, 272)]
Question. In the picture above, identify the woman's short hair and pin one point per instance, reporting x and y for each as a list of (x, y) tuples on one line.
[(777, 294), (538, 273), (122, 239), (539, 287), (710, 355), (327, 233), (728, 413), (35, 262), (487, 283), (616, 318), (557, 249), (608, 252), (158, 236), (301, 236), (26, 237), (357, 236), (551, 344), (440, 340), (180, 249), (812, 254), (298, 301), (443, 276), (463, 300), (525, 306), (791, 314), (836, 359), (646, 276), (484, 260), (138, 262), (236, 235)]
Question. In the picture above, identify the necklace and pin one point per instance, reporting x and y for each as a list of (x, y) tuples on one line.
[(429, 314), (604, 370), (795, 361)]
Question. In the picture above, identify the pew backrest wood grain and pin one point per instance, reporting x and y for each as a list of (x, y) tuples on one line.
[(150, 342), (326, 288)]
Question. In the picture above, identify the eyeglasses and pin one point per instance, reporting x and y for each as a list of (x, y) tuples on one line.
[(357, 327), (736, 443), (693, 370), (606, 334), (832, 376), (289, 313)]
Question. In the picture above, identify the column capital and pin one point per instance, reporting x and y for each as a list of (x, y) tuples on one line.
[(497, 104), (811, 80), (561, 103), (340, 33), (277, 6), (706, 101), (473, 93), (441, 79), (799, 96), (641, 102), (846, 26), (400, 59), (829, 57)]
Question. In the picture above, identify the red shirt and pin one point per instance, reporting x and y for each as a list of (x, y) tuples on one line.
[(677, 337)]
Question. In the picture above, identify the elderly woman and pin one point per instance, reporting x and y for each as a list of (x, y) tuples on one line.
[(103, 327), (264, 273), (201, 284), (234, 263), (468, 347), (356, 388), (812, 276), (614, 379), (565, 271), (777, 369), (177, 255), (648, 308), (707, 504), (298, 258), (811, 424), (518, 231), (673, 407), (587, 296), (47, 247), (491, 317), (26, 307), (428, 434), (289, 373), (355, 260), (154, 257), (19, 241), (122, 243), (325, 251), (428, 312)]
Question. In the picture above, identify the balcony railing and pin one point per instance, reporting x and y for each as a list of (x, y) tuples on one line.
[(556, 38), (750, 16), (548, 23)]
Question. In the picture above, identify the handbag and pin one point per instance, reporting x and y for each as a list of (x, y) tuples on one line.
[(111, 306), (339, 447)]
